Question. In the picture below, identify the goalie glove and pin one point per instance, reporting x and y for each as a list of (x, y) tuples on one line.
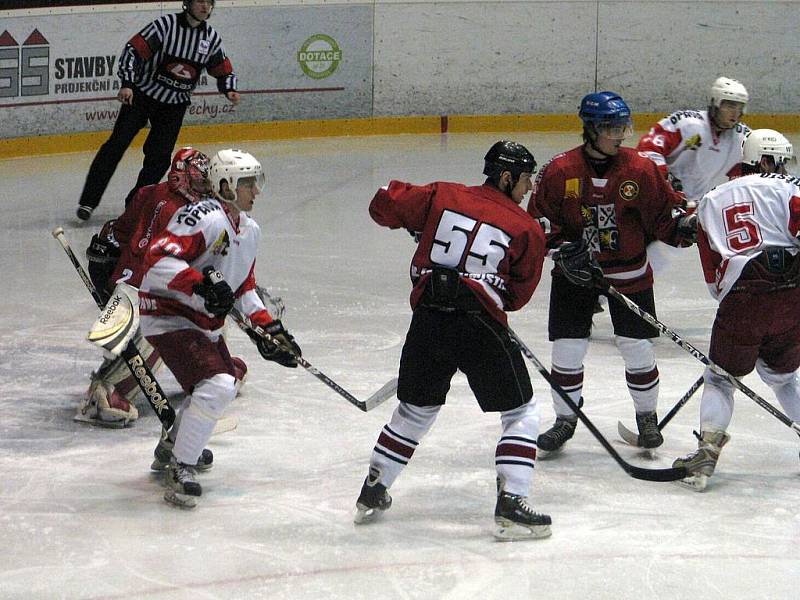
[(577, 264), (103, 254), (282, 349), (216, 292)]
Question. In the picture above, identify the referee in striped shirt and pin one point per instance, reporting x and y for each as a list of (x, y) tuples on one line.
[(159, 68)]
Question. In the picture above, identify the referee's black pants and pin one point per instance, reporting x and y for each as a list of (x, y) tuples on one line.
[(165, 125)]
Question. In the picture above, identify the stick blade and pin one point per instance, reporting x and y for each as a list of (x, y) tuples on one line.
[(382, 395), (669, 474), (630, 438)]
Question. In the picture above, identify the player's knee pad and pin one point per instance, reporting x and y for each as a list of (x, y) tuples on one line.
[(568, 353), (213, 395), (413, 421), (639, 355), (107, 407), (522, 421)]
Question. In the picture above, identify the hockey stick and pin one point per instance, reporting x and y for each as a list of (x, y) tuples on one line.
[(669, 474), (133, 359), (633, 439), (383, 394), (647, 317)]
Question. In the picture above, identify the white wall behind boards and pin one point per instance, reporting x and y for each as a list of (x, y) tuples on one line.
[(412, 57)]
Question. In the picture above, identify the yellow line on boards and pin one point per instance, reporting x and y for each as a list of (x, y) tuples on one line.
[(277, 130)]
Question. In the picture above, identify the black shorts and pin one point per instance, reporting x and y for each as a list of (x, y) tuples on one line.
[(439, 343), (572, 308)]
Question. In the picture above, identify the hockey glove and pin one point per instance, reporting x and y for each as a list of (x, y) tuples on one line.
[(282, 350), (577, 264), (103, 254), (687, 229), (676, 183), (216, 292)]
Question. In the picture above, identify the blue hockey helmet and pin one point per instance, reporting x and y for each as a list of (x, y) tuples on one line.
[(607, 114)]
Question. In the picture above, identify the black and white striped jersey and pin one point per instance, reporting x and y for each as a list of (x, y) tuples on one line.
[(165, 60)]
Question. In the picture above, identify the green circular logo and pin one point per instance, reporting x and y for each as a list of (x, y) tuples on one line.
[(319, 56)]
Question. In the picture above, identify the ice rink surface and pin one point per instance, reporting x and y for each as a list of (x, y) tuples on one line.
[(81, 515)]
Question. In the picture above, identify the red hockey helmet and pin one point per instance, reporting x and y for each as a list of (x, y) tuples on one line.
[(188, 175)]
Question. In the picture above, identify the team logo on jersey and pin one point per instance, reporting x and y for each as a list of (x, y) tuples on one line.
[(694, 142), (629, 190), (572, 189), (220, 247)]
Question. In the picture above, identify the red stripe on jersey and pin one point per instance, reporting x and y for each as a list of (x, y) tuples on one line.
[(794, 215), (185, 281), (140, 45), (508, 449), (158, 306), (394, 445), (261, 318), (221, 69)]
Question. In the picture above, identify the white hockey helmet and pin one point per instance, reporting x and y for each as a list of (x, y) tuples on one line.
[(725, 88), (767, 142), (232, 165)]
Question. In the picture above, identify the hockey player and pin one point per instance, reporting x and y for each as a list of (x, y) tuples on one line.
[(604, 203), (697, 149), (115, 255), (748, 240), (202, 265), (479, 255)]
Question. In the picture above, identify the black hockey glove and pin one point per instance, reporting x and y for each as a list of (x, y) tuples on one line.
[(103, 254), (687, 228), (282, 350), (216, 292), (676, 183), (577, 264)]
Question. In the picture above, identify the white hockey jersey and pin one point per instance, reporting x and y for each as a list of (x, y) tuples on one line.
[(740, 218), (199, 235), (685, 145)]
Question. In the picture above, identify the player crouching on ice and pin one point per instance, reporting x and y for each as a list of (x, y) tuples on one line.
[(198, 269), (479, 255), (748, 241), (116, 255)]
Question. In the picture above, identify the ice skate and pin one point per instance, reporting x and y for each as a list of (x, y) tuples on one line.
[(701, 463), (162, 454), (373, 500), (554, 438), (182, 489), (516, 520), (649, 435)]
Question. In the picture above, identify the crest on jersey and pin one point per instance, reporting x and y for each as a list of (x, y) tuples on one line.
[(600, 227), (572, 189), (629, 190), (694, 142), (220, 247)]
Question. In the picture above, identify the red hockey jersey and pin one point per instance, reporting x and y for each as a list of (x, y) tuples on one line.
[(496, 246), (618, 214), (145, 217)]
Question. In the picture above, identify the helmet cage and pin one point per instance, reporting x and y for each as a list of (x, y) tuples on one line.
[(188, 174)]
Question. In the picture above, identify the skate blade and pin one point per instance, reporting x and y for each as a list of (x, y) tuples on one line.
[(366, 515), (696, 483), (509, 531), (180, 500)]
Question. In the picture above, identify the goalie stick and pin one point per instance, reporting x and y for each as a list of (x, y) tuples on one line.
[(387, 391), (133, 359), (669, 474), (647, 317), (633, 439)]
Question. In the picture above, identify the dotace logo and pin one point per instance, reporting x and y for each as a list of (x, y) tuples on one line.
[(319, 56)]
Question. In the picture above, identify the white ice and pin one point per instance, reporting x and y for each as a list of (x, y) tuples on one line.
[(81, 516)]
